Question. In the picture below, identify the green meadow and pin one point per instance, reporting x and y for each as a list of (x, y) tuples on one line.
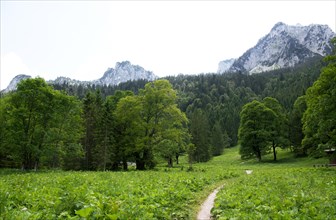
[(290, 188)]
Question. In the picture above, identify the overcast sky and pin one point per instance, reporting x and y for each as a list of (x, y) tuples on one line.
[(81, 39)]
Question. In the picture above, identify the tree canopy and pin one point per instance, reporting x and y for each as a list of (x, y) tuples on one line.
[(42, 126), (319, 120), (94, 127), (255, 129), (153, 123)]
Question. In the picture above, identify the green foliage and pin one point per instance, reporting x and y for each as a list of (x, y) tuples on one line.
[(29, 119), (296, 133), (104, 195), (319, 119), (199, 129), (152, 120), (221, 97), (4, 133), (255, 129), (119, 151), (278, 125), (219, 141), (108, 137), (129, 128), (104, 136), (287, 189), (42, 126), (263, 126), (292, 193), (66, 129)]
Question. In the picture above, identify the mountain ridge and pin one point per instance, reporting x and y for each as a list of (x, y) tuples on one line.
[(13, 83), (284, 46), (124, 71)]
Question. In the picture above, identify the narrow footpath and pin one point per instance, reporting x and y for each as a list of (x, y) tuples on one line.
[(205, 212)]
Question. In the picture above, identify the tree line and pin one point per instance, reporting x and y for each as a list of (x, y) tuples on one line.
[(220, 97), (105, 127), (39, 125), (43, 127), (309, 129)]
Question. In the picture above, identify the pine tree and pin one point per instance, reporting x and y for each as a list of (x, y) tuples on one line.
[(296, 132), (199, 129), (217, 140)]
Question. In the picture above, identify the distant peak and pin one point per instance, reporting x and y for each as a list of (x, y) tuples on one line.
[(285, 46), (123, 72), (123, 63), (279, 24), (13, 83), (22, 76)]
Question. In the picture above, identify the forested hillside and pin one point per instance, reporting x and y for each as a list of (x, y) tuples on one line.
[(222, 96), (104, 127)]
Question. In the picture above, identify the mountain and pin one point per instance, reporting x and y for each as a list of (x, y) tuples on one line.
[(66, 80), (284, 46), (13, 83), (225, 65), (124, 71)]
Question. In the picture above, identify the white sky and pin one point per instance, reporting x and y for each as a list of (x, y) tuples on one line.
[(81, 39)]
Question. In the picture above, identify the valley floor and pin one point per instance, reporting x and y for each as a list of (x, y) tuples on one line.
[(287, 189)]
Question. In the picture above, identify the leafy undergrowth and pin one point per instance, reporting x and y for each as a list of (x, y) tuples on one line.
[(297, 193), (165, 194), (286, 189)]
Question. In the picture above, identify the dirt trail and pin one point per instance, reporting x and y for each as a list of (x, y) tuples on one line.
[(204, 213)]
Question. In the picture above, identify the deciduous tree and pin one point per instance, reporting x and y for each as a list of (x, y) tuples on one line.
[(151, 120), (319, 120), (278, 125), (254, 130)]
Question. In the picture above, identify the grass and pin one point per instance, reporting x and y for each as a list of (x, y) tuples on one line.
[(160, 194), (169, 193), (285, 158), (289, 188)]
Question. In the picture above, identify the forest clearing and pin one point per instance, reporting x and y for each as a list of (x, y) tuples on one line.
[(118, 111), (289, 188), (158, 153)]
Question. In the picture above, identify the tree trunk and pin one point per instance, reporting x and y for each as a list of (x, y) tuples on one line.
[(115, 166), (28, 163), (258, 155), (274, 152), (105, 149), (139, 162), (177, 158), (35, 166), (125, 166), (54, 160), (170, 162)]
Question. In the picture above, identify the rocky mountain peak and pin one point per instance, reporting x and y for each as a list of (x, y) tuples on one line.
[(124, 71), (13, 83), (123, 64), (225, 65), (285, 46), (278, 26)]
